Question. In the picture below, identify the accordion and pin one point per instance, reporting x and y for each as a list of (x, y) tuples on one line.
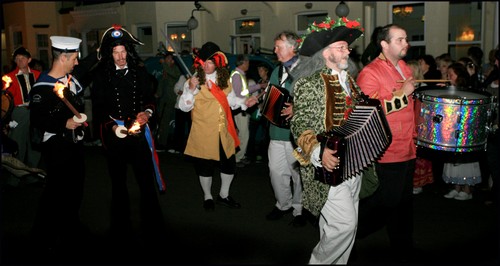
[(359, 142), (274, 103)]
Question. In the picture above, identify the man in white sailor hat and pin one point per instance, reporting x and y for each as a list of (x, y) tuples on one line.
[(59, 129)]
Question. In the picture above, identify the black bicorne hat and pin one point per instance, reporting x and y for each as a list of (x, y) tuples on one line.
[(116, 35)]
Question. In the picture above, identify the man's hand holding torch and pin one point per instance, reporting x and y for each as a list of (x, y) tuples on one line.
[(78, 118)]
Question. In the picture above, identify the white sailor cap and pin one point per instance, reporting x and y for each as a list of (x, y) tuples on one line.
[(65, 44)]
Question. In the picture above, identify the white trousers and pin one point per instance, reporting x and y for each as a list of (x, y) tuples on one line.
[(242, 123), (337, 224), (282, 167)]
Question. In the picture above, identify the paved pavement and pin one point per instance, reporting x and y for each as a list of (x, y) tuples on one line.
[(446, 231)]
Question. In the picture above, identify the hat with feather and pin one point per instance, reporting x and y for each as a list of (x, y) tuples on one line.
[(210, 51)]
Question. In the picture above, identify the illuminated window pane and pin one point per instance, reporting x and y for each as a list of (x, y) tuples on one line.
[(304, 20), (247, 26), (465, 21)]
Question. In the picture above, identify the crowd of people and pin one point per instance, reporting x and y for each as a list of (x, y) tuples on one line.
[(219, 127)]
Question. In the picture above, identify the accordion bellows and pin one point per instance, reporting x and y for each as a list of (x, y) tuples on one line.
[(274, 103), (360, 141)]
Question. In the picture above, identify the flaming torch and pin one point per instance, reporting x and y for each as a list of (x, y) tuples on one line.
[(7, 81), (122, 131), (79, 118)]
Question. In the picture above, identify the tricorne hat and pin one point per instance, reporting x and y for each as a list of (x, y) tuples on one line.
[(65, 44), (320, 35), (116, 35), (21, 51), (211, 51)]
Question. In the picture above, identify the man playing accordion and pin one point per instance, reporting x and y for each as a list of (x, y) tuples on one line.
[(324, 95)]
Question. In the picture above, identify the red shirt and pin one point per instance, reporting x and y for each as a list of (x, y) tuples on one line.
[(15, 87), (381, 76)]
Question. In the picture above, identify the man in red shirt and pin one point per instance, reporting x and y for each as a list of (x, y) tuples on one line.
[(392, 204), (23, 78)]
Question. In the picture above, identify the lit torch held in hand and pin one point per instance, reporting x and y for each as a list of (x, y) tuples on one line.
[(7, 81), (79, 117), (122, 131)]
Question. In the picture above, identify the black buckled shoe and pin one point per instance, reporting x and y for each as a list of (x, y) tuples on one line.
[(209, 205), (228, 202), (299, 221), (276, 214)]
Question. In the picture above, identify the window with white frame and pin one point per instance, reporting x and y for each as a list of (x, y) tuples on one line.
[(42, 44), (465, 22), (247, 36), (178, 35), (247, 26), (307, 18), (411, 17), (145, 35)]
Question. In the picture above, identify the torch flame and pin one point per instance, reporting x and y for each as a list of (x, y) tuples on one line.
[(135, 127), (7, 81), (59, 88)]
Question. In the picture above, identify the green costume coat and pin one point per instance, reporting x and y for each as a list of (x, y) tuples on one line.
[(319, 105)]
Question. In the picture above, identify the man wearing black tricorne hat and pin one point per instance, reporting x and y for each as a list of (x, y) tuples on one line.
[(123, 102), (213, 138), (324, 96), (22, 80), (55, 102)]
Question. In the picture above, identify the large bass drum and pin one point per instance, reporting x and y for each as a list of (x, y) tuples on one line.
[(452, 120)]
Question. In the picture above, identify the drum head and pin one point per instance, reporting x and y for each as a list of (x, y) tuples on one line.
[(453, 96)]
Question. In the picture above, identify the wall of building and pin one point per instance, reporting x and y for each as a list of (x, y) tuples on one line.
[(217, 25)]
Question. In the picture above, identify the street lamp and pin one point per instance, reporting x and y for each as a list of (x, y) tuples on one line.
[(342, 10)]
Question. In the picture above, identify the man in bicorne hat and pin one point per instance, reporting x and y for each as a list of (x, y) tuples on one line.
[(324, 95), (213, 138), (61, 134), (123, 99)]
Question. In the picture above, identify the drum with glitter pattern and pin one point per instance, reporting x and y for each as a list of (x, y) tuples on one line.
[(452, 120)]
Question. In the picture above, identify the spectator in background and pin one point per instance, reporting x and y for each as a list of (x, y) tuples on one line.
[(372, 50), (166, 100), (423, 167), (37, 64), (242, 90), (259, 136), (461, 174), (182, 119), (476, 54), (429, 68), (23, 79), (493, 146), (475, 79), (443, 62)]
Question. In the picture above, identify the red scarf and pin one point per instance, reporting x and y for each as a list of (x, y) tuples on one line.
[(222, 99)]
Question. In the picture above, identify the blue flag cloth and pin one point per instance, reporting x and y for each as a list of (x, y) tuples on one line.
[(154, 155)]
